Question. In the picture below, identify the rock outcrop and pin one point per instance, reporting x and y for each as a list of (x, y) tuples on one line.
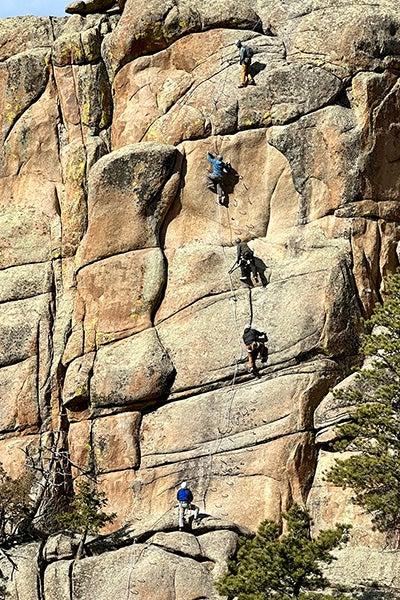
[(119, 321)]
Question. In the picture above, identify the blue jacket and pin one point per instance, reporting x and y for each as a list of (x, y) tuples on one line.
[(217, 165), (184, 495)]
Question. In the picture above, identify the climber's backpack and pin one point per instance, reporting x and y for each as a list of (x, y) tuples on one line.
[(249, 52), (184, 495)]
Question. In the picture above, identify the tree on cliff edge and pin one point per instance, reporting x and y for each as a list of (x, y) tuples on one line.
[(284, 568), (85, 515), (373, 433)]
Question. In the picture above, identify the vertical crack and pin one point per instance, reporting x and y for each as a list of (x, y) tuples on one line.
[(41, 567)]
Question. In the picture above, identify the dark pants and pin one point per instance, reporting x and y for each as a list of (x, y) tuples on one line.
[(215, 184), (248, 268)]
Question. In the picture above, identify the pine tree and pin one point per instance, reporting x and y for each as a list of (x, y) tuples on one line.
[(15, 506), (283, 568), (373, 472), (86, 515)]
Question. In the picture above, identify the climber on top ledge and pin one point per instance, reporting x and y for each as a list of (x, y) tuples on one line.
[(185, 498), (216, 177), (245, 56), (255, 344)]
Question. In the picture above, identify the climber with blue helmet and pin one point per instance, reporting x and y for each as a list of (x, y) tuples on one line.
[(216, 177), (185, 499), (245, 55)]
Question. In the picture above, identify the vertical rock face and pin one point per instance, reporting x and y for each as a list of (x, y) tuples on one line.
[(118, 319)]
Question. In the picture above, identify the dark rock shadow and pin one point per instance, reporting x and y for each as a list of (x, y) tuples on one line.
[(231, 179), (176, 206), (261, 268), (373, 592), (257, 67), (189, 527)]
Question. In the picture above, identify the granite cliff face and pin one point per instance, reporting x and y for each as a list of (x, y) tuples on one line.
[(120, 326)]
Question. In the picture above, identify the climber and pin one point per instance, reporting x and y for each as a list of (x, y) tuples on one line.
[(245, 260), (245, 56), (185, 498), (255, 344), (216, 177)]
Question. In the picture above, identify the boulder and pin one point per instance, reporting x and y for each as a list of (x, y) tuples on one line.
[(150, 28), (25, 281), (115, 441), (20, 410), (21, 580), (145, 571), (19, 328), (329, 504), (20, 34), (316, 327), (255, 422), (25, 77), (85, 7), (128, 199), (373, 573), (101, 316), (134, 372), (59, 547), (323, 185), (175, 91), (76, 390)]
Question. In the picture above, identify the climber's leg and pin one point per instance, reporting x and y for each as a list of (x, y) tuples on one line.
[(263, 353), (220, 192), (250, 78), (243, 76), (253, 270), (182, 509), (196, 511), (245, 271), (251, 356), (211, 182)]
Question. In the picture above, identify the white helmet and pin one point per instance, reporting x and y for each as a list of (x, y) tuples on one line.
[(184, 485)]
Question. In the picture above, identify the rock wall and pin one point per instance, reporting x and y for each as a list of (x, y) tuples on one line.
[(120, 326)]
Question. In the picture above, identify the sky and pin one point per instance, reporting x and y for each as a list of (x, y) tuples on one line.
[(11, 8)]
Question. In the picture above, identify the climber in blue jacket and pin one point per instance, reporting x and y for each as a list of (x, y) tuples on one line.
[(185, 499), (216, 177)]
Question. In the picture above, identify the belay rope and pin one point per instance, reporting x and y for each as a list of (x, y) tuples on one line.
[(233, 298), (223, 431)]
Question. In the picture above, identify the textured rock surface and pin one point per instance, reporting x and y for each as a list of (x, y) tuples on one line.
[(115, 302), (86, 7), (170, 566)]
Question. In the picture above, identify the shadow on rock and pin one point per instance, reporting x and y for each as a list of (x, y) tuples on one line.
[(257, 67), (374, 592), (261, 269), (231, 180)]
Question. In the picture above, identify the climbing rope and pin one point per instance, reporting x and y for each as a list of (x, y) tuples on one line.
[(223, 431), (233, 297)]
